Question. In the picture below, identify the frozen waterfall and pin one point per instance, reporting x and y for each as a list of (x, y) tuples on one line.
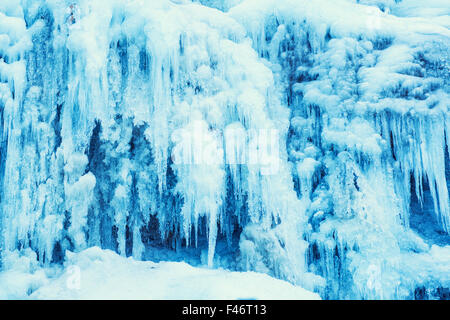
[(309, 140)]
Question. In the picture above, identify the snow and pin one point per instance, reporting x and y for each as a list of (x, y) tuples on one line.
[(253, 135), (102, 274)]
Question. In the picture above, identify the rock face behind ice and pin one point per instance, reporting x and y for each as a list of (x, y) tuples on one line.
[(303, 139)]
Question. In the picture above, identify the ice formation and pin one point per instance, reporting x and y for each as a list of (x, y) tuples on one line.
[(308, 140)]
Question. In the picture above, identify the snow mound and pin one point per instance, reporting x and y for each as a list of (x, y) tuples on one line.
[(103, 274)]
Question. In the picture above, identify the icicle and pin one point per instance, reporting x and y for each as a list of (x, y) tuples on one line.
[(305, 171)]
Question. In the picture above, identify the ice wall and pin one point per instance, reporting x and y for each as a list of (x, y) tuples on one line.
[(368, 93), (149, 128)]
